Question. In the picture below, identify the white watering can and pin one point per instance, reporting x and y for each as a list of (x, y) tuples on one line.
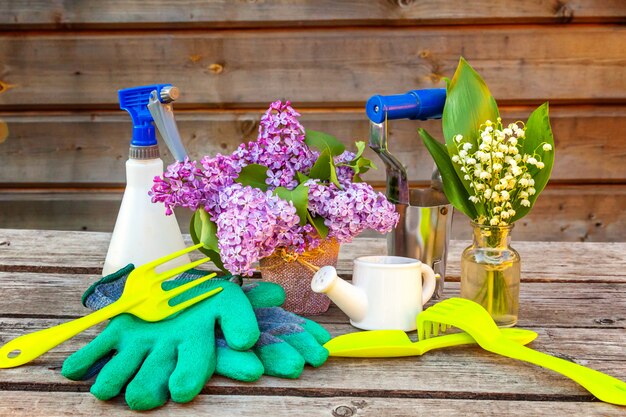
[(386, 291)]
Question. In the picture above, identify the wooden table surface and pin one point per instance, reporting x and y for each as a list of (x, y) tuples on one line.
[(573, 295)]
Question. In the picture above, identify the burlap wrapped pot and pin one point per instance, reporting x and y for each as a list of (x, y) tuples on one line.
[(295, 272)]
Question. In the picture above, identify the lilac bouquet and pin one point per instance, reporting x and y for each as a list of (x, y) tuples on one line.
[(289, 189)]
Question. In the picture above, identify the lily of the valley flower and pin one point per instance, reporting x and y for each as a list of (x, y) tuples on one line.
[(498, 172)]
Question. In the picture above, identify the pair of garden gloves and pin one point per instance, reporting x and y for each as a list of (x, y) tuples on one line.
[(240, 333)]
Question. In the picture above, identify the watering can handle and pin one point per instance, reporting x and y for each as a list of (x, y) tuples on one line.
[(416, 104), (430, 282)]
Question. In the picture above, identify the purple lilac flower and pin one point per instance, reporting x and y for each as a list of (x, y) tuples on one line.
[(299, 239), (350, 211), (344, 173), (179, 187), (280, 147), (219, 171), (251, 224)]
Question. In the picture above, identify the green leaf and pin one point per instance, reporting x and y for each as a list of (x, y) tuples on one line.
[(323, 141), (538, 132), (299, 196), (216, 258), (301, 177), (452, 186), (469, 104), (195, 230), (318, 224), (360, 148), (205, 229), (321, 168), (356, 178), (192, 228), (364, 165), (253, 175), (360, 165), (333, 175)]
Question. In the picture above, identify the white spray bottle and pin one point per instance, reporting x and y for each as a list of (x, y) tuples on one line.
[(142, 231)]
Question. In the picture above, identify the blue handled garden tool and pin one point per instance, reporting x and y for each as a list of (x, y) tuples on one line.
[(423, 231)]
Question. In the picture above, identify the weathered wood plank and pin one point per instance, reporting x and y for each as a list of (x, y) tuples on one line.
[(52, 251), (92, 147), (569, 213), (476, 373), (599, 305), (316, 67), (41, 14), (562, 213), (546, 305), (63, 404), (559, 261), (575, 344), (84, 252)]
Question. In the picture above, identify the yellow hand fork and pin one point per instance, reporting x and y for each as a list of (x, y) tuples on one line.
[(143, 297), (474, 320)]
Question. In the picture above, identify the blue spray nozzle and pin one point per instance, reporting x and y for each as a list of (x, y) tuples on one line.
[(416, 104), (135, 101)]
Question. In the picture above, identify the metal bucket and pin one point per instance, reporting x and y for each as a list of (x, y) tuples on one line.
[(423, 231)]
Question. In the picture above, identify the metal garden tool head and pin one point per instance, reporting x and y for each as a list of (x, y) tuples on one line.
[(423, 231)]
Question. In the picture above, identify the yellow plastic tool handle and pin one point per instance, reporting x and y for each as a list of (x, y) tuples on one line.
[(603, 386), (25, 348), (396, 343), (518, 336)]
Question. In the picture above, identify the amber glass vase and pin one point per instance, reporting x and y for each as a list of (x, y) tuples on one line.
[(490, 273)]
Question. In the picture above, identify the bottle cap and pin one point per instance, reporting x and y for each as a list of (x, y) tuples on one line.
[(144, 152), (135, 101)]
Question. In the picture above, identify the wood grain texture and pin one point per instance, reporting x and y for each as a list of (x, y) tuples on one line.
[(84, 252), (312, 67), (85, 148), (61, 63), (425, 376), (579, 314), (606, 309), (117, 14), (63, 404), (562, 213)]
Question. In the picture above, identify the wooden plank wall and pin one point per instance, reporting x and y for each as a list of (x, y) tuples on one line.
[(63, 142)]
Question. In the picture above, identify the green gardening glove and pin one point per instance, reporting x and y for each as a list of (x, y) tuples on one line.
[(173, 357), (286, 343)]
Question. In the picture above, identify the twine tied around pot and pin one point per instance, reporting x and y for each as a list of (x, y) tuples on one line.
[(294, 271), (301, 258)]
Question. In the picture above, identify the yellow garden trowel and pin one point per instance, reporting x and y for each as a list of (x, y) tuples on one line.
[(396, 343)]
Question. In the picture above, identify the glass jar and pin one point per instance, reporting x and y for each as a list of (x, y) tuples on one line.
[(490, 273)]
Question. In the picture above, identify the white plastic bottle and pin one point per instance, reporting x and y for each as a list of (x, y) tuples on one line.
[(142, 231)]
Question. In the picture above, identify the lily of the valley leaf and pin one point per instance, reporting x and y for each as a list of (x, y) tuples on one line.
[(453, 188), (538, 132), (468, 105)]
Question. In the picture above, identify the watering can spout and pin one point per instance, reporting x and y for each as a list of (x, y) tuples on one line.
[(350, 299)]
